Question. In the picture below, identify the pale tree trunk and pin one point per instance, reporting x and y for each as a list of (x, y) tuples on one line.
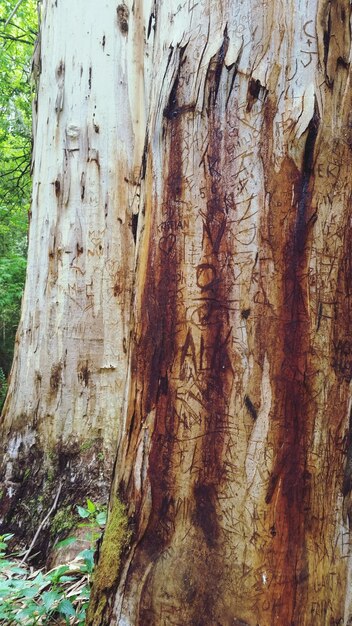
[(61, 417), (232, 456)]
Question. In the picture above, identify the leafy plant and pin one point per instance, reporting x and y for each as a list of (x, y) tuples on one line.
[(55, 597), (94, 514), (94, 517)]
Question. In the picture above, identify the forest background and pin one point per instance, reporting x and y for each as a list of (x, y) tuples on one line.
[(18, 33)]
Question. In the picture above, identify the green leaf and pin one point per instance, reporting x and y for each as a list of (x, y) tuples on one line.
[(66, 608), (31, 611), (31, 592), (65, 542), (4, 563), (101, 518), (91, 506), (21, 571), (83, 512), (57, 574), (50, 599), (39, 579), (88, 558)]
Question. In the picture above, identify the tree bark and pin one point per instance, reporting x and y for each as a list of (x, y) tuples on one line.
[(65, 395), (234, 458)]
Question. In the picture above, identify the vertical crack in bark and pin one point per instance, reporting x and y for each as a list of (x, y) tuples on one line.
[(215, 69), (305, 193), (134, 225), (326, 37)]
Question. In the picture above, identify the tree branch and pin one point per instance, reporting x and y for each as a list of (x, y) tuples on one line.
[(13, 12), (13, 38)]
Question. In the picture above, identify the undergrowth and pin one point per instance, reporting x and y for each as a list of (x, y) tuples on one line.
[(60, 596)]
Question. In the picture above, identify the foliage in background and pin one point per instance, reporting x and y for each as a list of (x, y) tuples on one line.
[(3, 387), (17, 40), (59, 596)]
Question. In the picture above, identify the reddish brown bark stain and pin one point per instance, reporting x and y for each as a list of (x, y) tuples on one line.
[(291, 220), (152, 365), (205, 512), (217, 381), (161, 332), (153, 360), (212, 364)]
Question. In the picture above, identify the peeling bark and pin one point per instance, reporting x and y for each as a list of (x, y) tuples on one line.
[(234, 457)]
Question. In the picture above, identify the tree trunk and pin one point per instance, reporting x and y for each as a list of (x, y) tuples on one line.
[(232, 456), (65, 395)]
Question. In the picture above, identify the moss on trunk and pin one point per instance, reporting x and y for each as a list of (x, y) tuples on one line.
[(115, 541)]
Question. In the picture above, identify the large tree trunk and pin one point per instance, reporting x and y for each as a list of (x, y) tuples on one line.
[(62, 412), (232, 454)]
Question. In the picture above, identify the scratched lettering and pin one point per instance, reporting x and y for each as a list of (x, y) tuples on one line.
[(342, 361), (174, 225)]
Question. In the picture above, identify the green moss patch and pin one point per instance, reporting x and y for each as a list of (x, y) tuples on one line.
[(115, 540), (63, 522)]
